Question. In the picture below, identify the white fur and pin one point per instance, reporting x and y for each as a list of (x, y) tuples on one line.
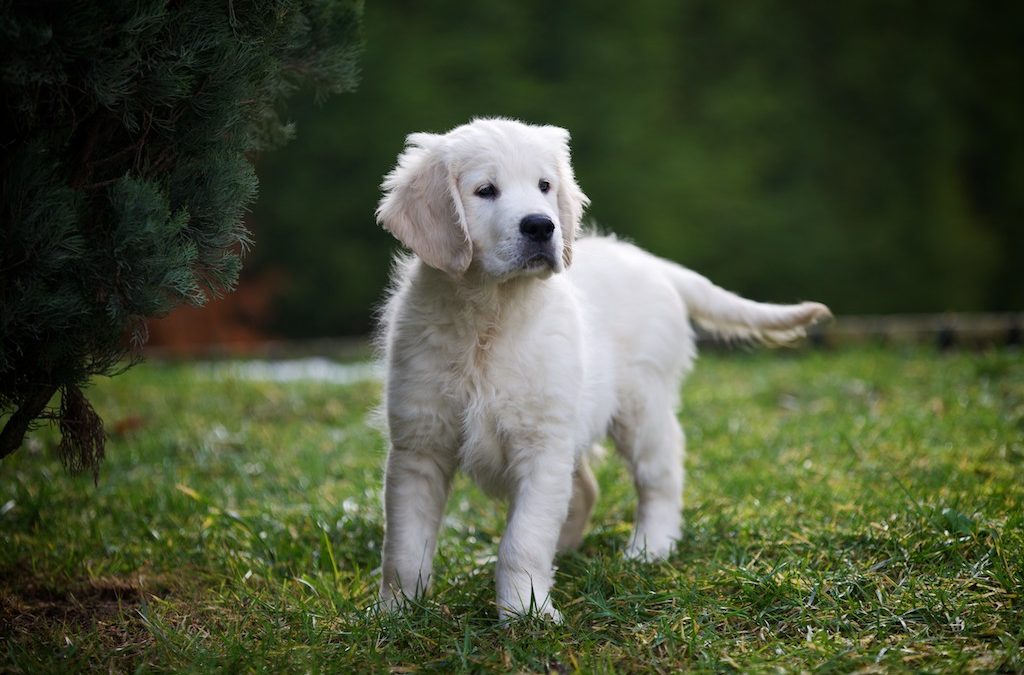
[(512, 369)]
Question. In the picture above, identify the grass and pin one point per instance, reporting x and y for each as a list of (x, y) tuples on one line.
[(857, 510)]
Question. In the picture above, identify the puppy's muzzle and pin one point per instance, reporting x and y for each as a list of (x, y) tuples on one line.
[(537, 249)]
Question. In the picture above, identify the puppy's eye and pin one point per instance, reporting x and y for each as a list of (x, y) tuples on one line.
[(487, 191), (544, 186)]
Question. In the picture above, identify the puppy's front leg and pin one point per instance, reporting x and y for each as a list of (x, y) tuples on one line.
[(415, 492), (538, 508)]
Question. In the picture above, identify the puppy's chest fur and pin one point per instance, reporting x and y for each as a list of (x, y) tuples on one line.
[(462, 381)]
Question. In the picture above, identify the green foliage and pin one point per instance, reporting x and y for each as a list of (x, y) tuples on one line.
[(865, 154), (126, 129), (858, 510)]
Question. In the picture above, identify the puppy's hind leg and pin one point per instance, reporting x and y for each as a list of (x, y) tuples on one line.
[(581, 505), (649, 437)]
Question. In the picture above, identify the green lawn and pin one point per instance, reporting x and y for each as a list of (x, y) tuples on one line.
[(853, 510)]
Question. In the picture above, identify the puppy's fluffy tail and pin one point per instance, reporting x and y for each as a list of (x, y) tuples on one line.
[(733, 317)]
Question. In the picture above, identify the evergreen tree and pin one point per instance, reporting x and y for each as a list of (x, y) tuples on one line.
[(126, 129)]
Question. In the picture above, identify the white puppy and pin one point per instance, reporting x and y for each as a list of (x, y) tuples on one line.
[(511, 349)]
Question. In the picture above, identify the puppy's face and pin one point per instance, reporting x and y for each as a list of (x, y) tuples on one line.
[(495, 193), (510, 199)]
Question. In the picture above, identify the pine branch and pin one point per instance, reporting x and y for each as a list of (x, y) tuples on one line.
[(127, 131)]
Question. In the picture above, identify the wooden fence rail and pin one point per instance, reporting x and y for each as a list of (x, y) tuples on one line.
[(944, 331)]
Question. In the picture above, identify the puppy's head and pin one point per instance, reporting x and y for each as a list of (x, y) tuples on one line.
[(497, 193)]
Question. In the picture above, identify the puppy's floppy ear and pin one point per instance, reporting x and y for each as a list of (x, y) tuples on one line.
[(571, 200), (421, 206)]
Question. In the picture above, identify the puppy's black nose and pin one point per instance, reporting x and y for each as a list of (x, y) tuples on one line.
[(537, 227)]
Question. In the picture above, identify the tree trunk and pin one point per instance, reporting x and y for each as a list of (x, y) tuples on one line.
[(14, 431)]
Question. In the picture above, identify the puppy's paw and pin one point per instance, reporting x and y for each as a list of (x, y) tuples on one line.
[(546, 611), (389, 602), (651, 549)]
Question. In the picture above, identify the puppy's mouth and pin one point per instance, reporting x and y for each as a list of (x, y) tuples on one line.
[(539, 261)]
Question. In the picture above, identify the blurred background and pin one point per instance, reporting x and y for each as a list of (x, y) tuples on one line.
[(869, 155)]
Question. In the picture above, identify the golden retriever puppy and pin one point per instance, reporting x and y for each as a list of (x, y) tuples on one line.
[(512, 348)]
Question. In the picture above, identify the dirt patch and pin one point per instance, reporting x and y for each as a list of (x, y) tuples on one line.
[(49, 616)]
